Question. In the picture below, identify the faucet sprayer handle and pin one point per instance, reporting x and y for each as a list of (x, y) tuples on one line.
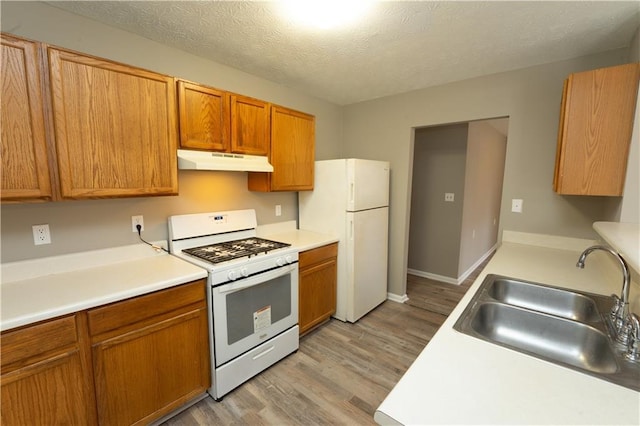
[(633, 348), (616, 308), (616, 319)]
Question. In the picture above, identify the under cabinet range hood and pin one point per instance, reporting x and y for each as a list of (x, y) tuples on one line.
[(205, 160)]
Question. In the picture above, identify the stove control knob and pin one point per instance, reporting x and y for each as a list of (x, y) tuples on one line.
[(244, 272), (280, 261), (289, 259), (232, 275)]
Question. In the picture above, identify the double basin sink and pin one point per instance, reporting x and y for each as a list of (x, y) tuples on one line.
[(565, 327)]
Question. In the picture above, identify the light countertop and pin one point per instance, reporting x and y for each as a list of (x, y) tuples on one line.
[(304, 240), (301, 239), (40, 289), (624, 238), (458, 379)]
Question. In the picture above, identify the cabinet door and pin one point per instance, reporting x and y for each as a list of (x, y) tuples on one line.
[(595, 131), (150, 354), (317, 294), (115, 128), (292, 153), (44, 379), (144, 374), (204, 117), (292, 150), (317, 286), (249, 126), (46, 393), (25, 164)]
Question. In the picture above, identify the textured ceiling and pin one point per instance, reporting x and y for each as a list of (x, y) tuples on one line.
[(398, 47)]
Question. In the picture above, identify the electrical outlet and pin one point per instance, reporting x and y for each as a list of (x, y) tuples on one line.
[(41, 234), (516, 205), (278, 210), (137, 220), (448, 197)]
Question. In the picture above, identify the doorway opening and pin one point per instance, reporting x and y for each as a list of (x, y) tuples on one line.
[(457, 180)]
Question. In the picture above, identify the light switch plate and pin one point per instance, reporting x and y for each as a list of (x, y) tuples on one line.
[(516, 205)]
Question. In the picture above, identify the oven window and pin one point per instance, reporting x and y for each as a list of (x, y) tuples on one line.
[(254, 308)]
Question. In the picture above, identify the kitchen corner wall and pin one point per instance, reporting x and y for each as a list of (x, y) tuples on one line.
[(382, 129), (94, 224), (484, 171), (438, 166), (630, 208), (447, 238)]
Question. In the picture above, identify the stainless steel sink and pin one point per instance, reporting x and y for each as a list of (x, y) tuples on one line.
[(561, 326), (540, 334), (552, 300)]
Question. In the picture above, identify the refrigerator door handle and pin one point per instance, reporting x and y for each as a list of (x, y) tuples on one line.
[(351, 230), (351, 192)]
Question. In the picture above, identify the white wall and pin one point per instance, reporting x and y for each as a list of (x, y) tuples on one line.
[(486, 149), (439, 160), (94, 224), (381, 129), (630, 209)]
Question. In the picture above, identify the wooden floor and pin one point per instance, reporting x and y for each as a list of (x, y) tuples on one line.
[(342, 371), (436, 296)]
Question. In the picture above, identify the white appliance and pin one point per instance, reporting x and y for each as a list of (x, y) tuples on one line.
[(252, 292), (350, 199), (205, 160)]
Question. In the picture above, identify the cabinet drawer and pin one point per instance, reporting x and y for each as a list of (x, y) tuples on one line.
[(139, 309), (317, 255), (34, 341)]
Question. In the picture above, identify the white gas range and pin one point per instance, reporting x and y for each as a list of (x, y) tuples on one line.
[(252, 292)]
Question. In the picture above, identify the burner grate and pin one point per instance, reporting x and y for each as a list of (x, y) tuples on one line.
[(222, 252)]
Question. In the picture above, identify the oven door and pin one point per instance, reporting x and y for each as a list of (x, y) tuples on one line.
[(252, 310)]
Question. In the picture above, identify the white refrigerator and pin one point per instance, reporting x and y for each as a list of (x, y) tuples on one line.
[(350, 199)]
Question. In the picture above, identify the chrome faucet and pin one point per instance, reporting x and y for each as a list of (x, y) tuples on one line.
[(620, 314)]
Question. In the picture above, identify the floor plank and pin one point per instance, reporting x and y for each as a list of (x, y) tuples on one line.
[(342, 371)]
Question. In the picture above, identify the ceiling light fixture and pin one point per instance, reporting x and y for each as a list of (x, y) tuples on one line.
[(324, 14)]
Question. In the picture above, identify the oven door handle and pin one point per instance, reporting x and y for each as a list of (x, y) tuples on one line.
[(256, 279)]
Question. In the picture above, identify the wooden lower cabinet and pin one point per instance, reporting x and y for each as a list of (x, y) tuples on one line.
[(150, 354), (317, 286), (45, 377), (130, 362)]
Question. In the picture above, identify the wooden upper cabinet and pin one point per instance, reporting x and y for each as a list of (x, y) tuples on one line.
[(249, 125), (292, 153), (596, 122), (215, 120), (115, 128), (204, 117), (25, 164)]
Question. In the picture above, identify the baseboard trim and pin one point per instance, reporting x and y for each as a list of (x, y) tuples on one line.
[(397, 298), (473, 267), (451, 280), (434, 277)]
